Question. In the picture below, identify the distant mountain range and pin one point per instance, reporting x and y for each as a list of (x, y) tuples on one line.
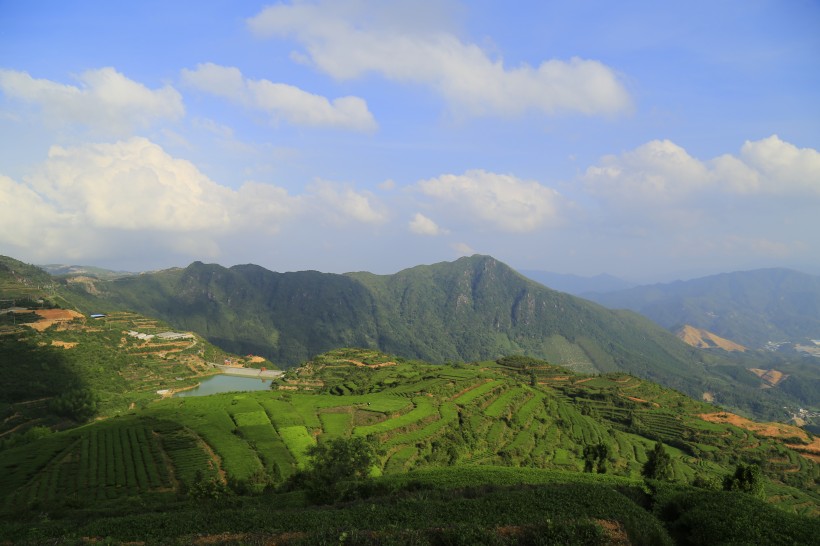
[(473, 309), (470, 309), (71, 270), (578, 285), (747, 307)]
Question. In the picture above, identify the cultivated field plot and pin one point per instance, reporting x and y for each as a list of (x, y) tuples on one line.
[(432, 416), (117, 459)]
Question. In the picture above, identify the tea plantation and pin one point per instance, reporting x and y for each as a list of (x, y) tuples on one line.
[(477, 453)]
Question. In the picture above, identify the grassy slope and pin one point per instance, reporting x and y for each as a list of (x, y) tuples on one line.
[(96, 357), (19, 280), (466, 421)]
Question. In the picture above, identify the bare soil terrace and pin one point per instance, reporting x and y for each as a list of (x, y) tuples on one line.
[(49, 317)]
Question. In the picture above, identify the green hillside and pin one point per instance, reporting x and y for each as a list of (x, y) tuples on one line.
[(62, 270), (487, 452), (473, 308), (61, 367), (21, 281)]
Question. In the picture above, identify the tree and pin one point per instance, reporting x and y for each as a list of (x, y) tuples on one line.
[(79, 404), (747, 478), (595, 458), (658, 465), (206, 488), (334, 465)]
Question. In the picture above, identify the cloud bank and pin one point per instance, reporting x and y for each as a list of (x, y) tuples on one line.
[(661, 172), (497, 201), (87, 201), (760, 202), (131, 196), (281, 101), (345, 41), (106, 100)]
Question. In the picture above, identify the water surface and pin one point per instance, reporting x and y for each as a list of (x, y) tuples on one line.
[(226, 383)]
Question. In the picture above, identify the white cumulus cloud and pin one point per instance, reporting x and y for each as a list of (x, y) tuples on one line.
[(106, 100), (422, 225), (499, 200), (662, 172), (463, 249), (659, 170), (341, 204), (130, 196), (346, 41), (280, 100), (132, 185), (783, 168), (761, 202)]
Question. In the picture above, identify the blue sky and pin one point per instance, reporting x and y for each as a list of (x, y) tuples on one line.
[(647, 140)]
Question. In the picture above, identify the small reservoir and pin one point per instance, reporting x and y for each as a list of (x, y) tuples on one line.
[(226, 383)]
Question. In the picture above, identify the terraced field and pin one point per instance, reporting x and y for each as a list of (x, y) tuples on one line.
[(433, 416)]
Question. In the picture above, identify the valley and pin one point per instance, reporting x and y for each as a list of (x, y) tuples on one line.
[(99, 434), (470, 309)]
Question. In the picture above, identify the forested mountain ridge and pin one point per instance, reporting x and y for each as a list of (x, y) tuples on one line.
[(469, 309), (472, 309), (747, 307)]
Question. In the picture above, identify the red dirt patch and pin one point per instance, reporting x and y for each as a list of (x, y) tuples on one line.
[(641, 401), (770, 377), (614, 531), (704, 339), (64, 344), (360, 363), (53, 316), (772, 430), (810, 451)]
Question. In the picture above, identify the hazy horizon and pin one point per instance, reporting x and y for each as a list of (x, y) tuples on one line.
[(651, 142), (636, 281)]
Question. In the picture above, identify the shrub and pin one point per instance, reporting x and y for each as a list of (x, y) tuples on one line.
[(333, 466), (747, 478)]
